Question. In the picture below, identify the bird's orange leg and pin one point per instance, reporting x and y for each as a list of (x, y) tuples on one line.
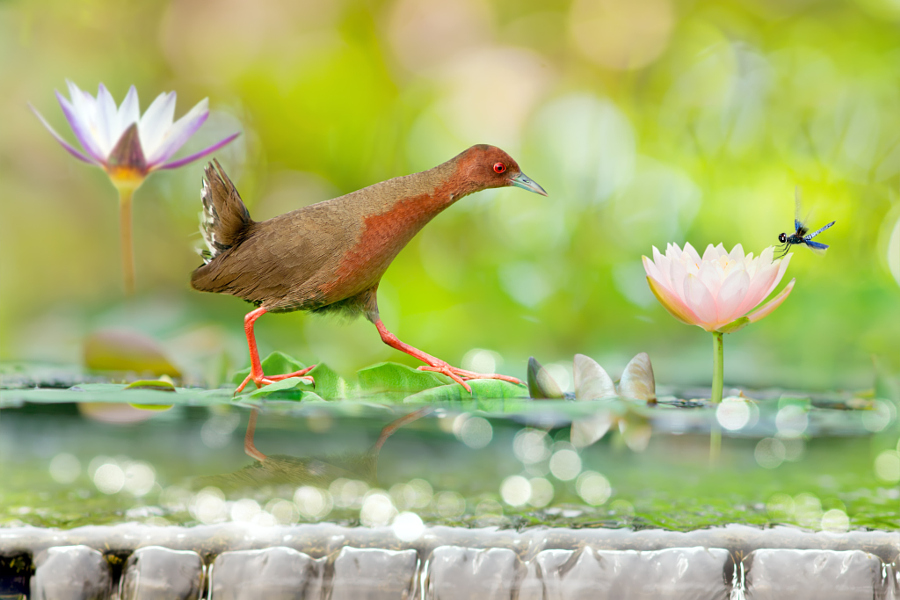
[(256, 372), (437, 365)]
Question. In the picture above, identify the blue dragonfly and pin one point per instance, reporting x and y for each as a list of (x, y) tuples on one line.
[(801, 235)]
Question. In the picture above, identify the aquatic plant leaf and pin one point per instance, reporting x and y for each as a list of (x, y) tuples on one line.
[(637, 380), (541, 385), (592, 382), (734, 326), (275, 363), (394, 377), (127, 351), (483, 390), (291, 383), (329, 384), (158, 385)]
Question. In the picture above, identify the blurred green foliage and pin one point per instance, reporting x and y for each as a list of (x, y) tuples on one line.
[(648, 122)]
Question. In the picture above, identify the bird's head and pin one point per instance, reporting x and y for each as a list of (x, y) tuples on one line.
[(487, 167)]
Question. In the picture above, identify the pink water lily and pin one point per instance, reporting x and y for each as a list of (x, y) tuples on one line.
[(129, 146), (719, 290)]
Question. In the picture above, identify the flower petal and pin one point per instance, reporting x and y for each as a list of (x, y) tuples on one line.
[(69, 148), (188, 159), (81, 129), (180, 133), (672, 303), (710, 276), (689, 250), (591, 380), (772, 304), (731, 295), (737, 254), (107, 120), (156, 122), (130, 111), (701, 302), (637, 379), (711, 253), (760, 285)]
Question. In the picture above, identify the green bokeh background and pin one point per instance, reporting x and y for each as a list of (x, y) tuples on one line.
[(647, 121)]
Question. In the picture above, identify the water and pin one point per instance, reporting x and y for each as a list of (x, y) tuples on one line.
[(66, 465)]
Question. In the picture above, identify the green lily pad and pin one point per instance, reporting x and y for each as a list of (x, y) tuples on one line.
[(394, 377), (158, 385), (482, 391), (330, 385), (291, 383), (277, 363)]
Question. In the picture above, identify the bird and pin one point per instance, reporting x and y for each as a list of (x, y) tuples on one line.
[(330, 256)]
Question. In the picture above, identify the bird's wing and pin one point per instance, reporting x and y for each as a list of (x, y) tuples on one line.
[(282, 261)]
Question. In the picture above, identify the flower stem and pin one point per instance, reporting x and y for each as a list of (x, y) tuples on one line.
[(718, 382), (125, 194)]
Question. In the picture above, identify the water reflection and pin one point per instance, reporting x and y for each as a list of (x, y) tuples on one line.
[(411, 469)]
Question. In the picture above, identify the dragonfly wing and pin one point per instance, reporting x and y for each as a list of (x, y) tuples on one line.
[(817, 232), (816, 246)]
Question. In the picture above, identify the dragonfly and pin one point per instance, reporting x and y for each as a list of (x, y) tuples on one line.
[(800, 234)]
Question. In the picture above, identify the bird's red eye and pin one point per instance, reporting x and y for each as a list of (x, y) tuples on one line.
[(499, 167)]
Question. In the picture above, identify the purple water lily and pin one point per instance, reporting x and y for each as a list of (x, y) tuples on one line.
[(129, 146)]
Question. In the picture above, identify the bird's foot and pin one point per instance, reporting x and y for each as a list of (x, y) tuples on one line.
[(260, 379), (460, 376)]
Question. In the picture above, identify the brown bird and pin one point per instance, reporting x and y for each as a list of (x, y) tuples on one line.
[(330, 256)]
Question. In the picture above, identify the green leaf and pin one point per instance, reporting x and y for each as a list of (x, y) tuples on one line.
[(151, 384), (394, 377), (330, 385), (482, 390), (291, 383), (735, 325), (277, 363)]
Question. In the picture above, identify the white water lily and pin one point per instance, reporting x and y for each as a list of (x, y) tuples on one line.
[(120, 140), (129, 146)]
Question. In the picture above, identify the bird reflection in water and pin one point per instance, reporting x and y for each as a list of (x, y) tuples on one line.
[(314, 470)]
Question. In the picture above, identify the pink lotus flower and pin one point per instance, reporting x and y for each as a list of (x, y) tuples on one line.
[(716, 292)]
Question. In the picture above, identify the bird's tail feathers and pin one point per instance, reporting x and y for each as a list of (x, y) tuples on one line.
[(225, 219)]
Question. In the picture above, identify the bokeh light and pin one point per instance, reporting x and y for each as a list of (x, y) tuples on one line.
[(377, 509), (408, 526), (593, 488), (733, 413), (515, 490), (565, 464), (312, 502), (769, 453), (109, 478), (208, 506), (474, 432), (835, 520), (65, 468), (887, 466), (450, 504)]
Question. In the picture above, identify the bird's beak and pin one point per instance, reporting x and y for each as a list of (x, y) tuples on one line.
[(523, 181)]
